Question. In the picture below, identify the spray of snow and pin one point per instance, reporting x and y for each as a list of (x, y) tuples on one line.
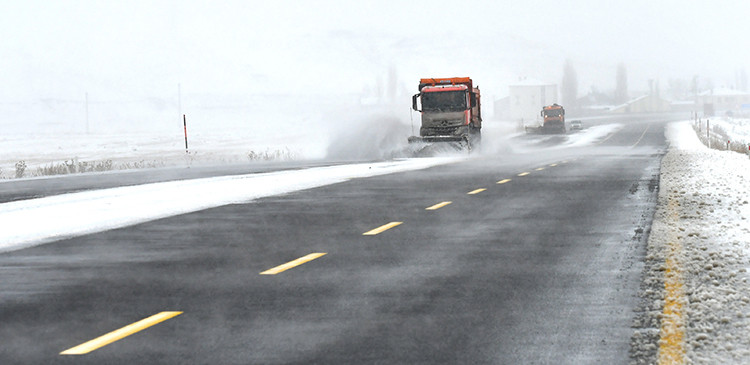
[(373, 136), (592, 135)]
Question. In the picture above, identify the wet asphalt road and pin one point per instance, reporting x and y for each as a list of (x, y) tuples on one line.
[(544, 268)]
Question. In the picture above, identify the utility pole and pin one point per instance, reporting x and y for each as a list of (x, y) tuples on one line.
[(184, 124), (179, 99), (87, 113)]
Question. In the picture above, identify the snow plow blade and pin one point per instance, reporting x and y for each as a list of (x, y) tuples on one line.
[(430, 139)]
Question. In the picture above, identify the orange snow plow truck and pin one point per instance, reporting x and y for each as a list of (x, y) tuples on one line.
[(450, 111), (554, 119)]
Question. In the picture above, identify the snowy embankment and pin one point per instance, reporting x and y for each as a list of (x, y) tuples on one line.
[(735, 129), (43, 152), (100, 210), (701, 225)]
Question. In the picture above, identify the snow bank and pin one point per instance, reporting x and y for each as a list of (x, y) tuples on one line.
[(35, 221), (701, 222)]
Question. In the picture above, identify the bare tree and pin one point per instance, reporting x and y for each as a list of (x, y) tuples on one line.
[(621, 88), (569, 86), (680, 89), (741, 80)]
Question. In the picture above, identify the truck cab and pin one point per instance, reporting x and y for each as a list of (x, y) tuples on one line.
[(450, 110), (553, 119)]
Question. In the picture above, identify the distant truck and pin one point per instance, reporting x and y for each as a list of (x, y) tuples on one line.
[(553, 119), (450, 110)]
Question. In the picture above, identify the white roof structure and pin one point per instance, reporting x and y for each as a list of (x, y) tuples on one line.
[(531, 82), (722, 91)]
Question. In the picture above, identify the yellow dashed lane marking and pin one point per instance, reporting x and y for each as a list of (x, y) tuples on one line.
[(291, 264), (503, 181), (540, 169), (119, 334), (477, 191), (438, 206), (553, 165), (381, 229), (523, 173)]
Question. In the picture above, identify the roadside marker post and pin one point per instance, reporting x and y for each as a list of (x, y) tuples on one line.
[(184, 125)]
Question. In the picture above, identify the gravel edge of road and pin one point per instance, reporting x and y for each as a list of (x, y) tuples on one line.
[(698, 223)]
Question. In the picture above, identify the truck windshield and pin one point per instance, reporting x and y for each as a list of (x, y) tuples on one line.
[(444, 101), (553, 113)]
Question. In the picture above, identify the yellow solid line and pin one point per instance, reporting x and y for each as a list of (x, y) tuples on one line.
[(503, 181), (113, 336), (642, 135), (523, 173), (672, 335), (294, 263), (381, 229), (608, 137), (437, 206), (476, 191)]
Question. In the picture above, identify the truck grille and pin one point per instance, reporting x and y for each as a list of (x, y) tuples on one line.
[(441, 131)]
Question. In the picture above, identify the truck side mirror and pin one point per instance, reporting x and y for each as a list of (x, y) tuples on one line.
[(473, 97), (414, 102)]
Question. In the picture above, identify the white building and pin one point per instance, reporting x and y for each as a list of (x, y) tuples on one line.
[(722, 100), (526, 99)]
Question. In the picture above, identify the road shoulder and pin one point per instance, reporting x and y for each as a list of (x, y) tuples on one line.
[(695, 304)]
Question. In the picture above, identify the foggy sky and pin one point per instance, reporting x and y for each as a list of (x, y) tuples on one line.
[(121, 50)]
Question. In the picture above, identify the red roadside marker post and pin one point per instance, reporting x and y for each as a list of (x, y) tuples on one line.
[(184, 124)]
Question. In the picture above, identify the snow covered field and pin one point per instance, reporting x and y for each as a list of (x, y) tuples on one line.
[(223, 130)]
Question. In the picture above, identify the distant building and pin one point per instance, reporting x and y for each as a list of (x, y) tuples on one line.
[(685, 106), (594, 103), (723, 100), (526, 99)]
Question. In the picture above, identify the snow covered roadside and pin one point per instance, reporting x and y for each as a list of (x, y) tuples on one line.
[(701, 223), (35, 221)]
